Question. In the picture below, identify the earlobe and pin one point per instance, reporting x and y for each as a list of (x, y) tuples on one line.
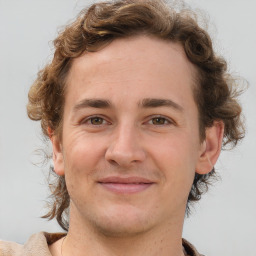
[(57, 154), (210, 148)]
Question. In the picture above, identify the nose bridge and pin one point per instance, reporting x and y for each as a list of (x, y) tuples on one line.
[(126, 145)]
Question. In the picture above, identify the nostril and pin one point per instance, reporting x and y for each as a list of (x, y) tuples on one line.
[(124, 154), (113, 162)]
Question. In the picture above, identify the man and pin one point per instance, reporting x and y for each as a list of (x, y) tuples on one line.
[(137, 106)]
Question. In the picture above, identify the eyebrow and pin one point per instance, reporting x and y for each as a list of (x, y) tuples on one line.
[(145, 103), (93, 103), (154, 103)]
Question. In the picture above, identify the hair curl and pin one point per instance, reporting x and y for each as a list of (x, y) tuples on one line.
[(215, 92)]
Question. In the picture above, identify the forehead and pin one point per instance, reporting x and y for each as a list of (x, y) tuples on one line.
[(143, 65)]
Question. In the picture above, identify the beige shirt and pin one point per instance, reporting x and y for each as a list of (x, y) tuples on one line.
[(37, 245)]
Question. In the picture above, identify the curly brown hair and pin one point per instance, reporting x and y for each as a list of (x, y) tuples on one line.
[(215, 92)]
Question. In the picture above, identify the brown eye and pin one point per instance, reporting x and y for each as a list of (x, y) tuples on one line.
[(96, 120), (159, 121)]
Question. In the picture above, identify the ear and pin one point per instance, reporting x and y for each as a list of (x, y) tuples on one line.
[(210, 148), (57, 154)]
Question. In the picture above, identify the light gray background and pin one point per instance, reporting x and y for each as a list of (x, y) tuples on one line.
[(223, 223)]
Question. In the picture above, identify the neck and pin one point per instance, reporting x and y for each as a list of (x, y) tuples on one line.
[(85, 240)]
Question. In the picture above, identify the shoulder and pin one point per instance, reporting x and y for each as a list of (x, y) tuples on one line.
[(190, 249), (9, 248), (37, 244)]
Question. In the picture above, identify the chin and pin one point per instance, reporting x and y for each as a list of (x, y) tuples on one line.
[(122, 223), (120, 230)]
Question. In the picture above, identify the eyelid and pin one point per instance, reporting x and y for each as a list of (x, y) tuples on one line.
[(168, 119), (88, 118)]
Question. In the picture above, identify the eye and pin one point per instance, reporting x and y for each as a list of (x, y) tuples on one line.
[(160, 121), (95, 120)]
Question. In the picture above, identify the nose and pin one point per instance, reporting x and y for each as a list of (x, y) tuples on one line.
[(125, 148)]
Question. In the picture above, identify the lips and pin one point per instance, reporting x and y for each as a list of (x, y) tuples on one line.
[(125, 185)]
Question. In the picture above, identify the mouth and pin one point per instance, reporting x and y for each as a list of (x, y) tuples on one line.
[(128, 185)]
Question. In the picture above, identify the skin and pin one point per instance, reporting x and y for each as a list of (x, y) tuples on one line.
[(127, 135)]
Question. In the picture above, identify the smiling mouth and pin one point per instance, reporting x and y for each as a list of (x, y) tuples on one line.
[(129, 185)]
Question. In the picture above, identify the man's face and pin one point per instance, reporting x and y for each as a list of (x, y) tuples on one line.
[(130, 142)]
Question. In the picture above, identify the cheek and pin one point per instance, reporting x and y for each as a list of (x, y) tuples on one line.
[(81, 157), (176, 159)]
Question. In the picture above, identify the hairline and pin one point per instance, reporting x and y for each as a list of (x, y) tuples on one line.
[(195, 73)]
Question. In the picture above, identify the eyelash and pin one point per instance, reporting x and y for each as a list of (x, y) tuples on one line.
[(167, 121), (90, 118)]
